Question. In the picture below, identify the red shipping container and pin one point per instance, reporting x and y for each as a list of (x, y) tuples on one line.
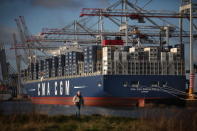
[(112, 42)]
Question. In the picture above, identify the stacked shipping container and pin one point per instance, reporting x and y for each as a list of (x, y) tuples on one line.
[(92, 57), (111, 60)]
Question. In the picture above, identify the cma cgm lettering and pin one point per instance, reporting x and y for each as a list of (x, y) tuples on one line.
[(57, 88)]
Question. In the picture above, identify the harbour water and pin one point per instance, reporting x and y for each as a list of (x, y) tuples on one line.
[(26, 107)]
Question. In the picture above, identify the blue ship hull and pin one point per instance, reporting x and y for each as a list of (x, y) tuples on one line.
[(102, 90)]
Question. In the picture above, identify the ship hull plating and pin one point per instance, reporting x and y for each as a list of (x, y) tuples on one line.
[(105, 90)]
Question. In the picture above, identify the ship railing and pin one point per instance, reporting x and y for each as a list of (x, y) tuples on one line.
[(66, 76), (158, 68)]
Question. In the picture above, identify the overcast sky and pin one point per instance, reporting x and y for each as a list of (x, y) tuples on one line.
[(58, 13)]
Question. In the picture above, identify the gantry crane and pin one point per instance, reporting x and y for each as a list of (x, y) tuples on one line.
[(82, 32), (130, 11), (188, 7)]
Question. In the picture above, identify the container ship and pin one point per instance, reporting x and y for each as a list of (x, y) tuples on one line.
[(133, 65), (109, 74)]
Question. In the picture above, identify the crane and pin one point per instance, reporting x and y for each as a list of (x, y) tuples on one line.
[(18, 65), (132, 14), (82, 32), (73, 31)]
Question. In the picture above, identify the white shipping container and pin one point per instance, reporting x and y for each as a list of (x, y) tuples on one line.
[(105, 49), (133, 49), (105, 53), (171, 56), (105, 58), (163, 56), (174, 50), (136, 49), (116, 55), (105, 67), (124, 56)]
